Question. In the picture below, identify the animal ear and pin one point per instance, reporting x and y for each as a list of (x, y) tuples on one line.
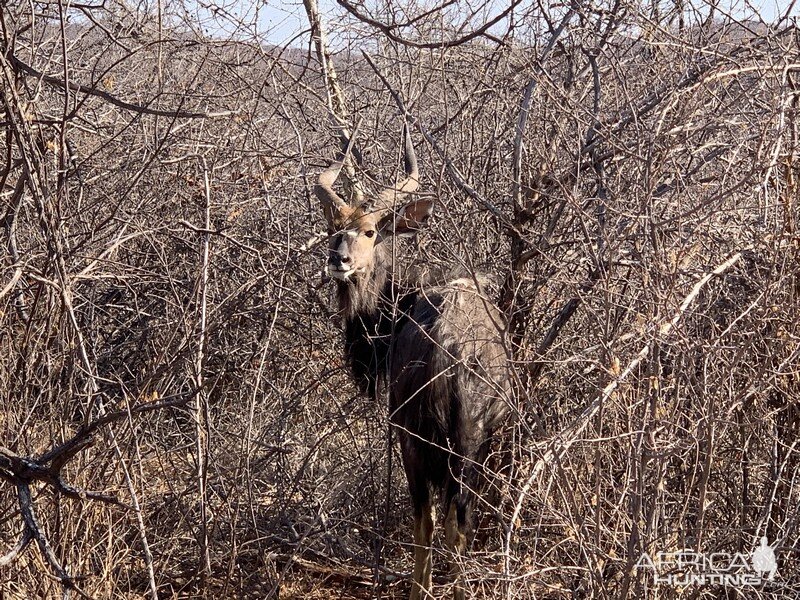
[(410, 219)]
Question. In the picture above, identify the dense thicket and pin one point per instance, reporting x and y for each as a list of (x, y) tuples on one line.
[(156, 273)]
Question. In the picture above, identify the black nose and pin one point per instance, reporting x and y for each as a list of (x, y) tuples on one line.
[(337, 259)]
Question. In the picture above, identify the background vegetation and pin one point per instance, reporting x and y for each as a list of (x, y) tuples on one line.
[(626, 172)]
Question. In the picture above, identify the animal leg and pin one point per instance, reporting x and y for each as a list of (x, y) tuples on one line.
[(455, 532), (422, 585)]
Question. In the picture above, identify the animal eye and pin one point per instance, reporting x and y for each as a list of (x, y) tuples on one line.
[(370, 233)]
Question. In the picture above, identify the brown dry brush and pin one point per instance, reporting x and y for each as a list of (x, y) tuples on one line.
[(240, 459)]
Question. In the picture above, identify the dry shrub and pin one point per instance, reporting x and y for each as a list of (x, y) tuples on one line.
[(639, 178)]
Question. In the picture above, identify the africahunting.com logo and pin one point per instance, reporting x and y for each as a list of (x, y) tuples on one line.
[(687, 567)]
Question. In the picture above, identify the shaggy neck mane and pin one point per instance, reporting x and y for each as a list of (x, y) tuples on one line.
[(373, 307)]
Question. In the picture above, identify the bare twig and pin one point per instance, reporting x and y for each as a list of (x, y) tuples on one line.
[(20, 66), (389, 30)]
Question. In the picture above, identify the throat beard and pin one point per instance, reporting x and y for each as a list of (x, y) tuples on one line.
[(359, 294)]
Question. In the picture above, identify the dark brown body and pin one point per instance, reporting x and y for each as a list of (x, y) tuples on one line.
[(448, 390), (440, 352)]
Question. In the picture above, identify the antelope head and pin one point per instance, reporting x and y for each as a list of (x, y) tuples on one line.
[(357, 230)]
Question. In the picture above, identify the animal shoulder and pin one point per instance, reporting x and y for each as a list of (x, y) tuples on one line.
[(461, 302)]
